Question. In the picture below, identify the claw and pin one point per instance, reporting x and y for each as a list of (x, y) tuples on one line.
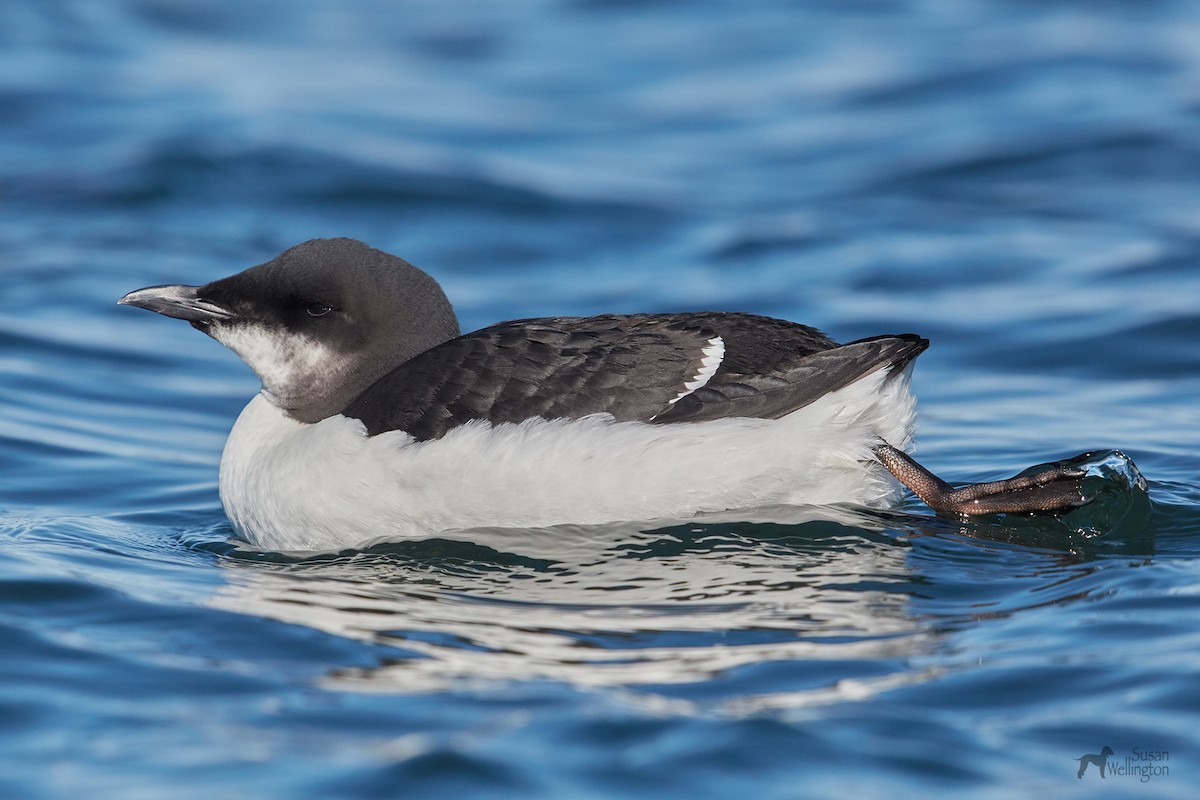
[(1055, 490)]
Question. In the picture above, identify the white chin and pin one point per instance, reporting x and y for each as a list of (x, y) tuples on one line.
[(288, 365)]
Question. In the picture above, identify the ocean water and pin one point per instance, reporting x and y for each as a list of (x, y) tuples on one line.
[(1018, 181)]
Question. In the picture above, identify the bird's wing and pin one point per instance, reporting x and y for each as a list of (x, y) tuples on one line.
[(646, 367), (794, 383)]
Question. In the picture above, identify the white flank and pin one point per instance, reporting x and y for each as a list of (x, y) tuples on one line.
[(291, 486)]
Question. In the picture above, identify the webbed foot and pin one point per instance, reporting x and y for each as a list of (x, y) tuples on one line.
[(1055, 490)]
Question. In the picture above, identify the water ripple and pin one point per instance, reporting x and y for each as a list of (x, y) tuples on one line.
[(1015, 181)]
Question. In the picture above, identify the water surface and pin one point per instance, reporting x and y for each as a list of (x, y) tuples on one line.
[(1016, 181)]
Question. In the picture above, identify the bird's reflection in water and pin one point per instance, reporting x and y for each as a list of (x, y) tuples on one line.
[(822, 591)]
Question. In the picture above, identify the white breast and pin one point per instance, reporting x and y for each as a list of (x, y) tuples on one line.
[(287, 485)]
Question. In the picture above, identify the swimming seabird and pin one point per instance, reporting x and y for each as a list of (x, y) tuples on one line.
[(378, 418)]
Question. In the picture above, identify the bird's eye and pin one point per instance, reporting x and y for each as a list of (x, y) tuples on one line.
[(319, 309)]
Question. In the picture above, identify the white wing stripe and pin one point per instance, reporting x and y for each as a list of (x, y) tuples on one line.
[(714, 354)]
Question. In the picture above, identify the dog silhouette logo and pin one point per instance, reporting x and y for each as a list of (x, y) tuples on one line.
[(1099, 759)]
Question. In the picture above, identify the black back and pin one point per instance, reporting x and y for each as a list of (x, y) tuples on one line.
[(634, 367)]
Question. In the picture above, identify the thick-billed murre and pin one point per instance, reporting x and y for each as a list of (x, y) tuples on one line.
[(377, 418)]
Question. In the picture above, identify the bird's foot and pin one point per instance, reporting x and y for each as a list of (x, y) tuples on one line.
[(1054, 490)]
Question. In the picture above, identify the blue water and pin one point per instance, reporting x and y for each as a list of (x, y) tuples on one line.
[(1017, 181)]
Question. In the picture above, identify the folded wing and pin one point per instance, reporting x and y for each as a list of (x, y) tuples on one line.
[(657, 368)]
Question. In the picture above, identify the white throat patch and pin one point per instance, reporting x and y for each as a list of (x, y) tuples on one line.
[(290, 366)]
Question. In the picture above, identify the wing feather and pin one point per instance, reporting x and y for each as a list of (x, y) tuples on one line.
[(647, 367)]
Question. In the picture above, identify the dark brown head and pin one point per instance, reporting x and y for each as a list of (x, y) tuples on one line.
[(319, 323)]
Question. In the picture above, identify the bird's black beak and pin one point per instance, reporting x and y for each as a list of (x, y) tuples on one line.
[(180, 302)]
